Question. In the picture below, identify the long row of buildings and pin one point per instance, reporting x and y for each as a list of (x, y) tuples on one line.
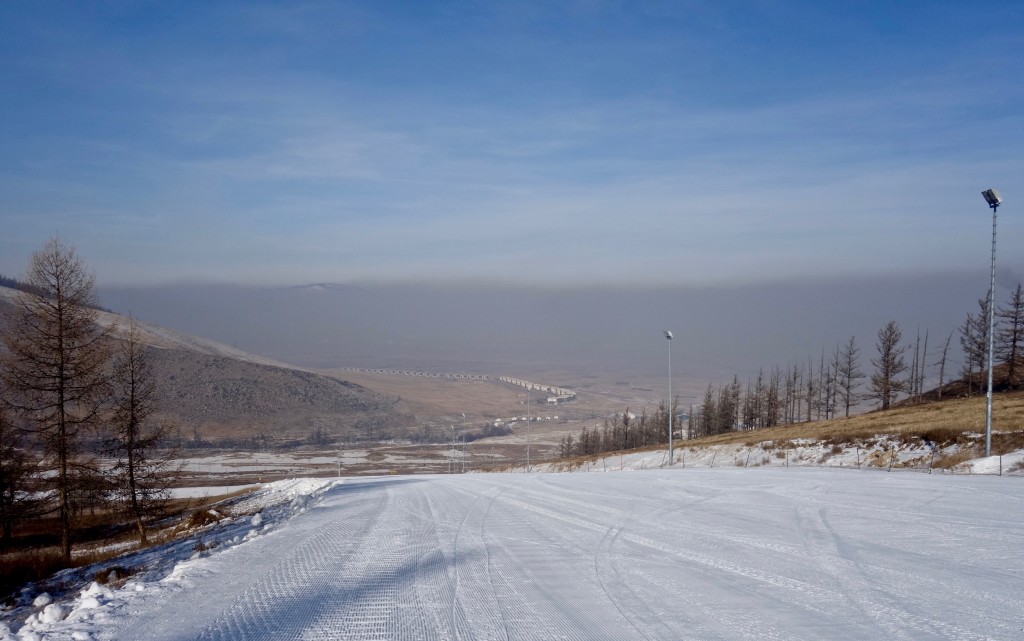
[(555, 394), (405, 372)]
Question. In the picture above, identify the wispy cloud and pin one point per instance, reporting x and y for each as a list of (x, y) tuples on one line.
[(324, 143)]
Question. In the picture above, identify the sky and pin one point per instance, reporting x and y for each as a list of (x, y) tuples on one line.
[(681, 143)]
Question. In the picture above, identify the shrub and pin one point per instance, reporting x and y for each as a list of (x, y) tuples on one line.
[(1006, 442), (201, 518), (114, 575), (942, 435), (19, 568), (950, 461)]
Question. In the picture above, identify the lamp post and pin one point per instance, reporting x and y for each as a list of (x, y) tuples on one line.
[(463, 436), (993, 199), (668, 335), (451, 459), (528, 420)]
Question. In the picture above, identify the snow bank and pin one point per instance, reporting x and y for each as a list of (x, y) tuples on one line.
[(881, 452), (997, 464), (61, 613)]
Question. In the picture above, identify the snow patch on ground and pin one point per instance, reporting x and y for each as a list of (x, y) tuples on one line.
[(883, 452)]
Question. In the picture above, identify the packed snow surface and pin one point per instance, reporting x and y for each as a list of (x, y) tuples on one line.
[(752, 553)]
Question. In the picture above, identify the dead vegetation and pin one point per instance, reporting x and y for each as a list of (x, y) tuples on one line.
[(956, 425), (34, 555), (942, 422)]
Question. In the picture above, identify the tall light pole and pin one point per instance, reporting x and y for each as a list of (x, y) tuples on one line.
[(451, 459), (668, 335), (463, 435), (528, 420), (993, 199)]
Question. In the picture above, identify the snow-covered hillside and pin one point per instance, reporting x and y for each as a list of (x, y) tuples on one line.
[(747, 553)]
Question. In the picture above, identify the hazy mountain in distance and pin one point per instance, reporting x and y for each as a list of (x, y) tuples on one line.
[(518, 329), (220, 392)]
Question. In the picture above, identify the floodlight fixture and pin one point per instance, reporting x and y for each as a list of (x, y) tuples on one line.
[(992, 197), (668, 334)]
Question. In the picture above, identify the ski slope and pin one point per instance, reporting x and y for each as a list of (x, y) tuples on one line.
[(676, 554)]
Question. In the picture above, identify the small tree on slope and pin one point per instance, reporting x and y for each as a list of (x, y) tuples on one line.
[(885, 382)]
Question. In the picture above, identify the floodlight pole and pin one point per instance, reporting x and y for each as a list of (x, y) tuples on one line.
[(993, 199), (668, 335), (451, 459), (528, 420)]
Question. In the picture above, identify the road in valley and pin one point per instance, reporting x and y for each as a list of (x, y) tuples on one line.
[(680, 554)]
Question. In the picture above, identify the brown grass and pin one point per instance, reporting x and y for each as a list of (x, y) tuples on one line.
[(115, 575), (943, 422), (201, 518), (19, 568), (950, 461), (34, 555)]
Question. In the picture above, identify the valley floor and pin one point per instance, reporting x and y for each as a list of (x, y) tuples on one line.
[(753, 553)]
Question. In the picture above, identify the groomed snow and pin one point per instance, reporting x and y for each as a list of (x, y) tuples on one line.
[(755, 553)]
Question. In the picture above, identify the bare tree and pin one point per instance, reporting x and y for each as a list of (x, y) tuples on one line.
[(772, 400), (915, 367), (849, 374), (55, 367), (141, 476), (1010, 334), (812, 389), (16, 469), (922, 368), (821, 402), (942, 362), (885, 382), (974, 341)]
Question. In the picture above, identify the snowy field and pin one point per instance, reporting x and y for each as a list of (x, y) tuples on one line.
[(757, 553)]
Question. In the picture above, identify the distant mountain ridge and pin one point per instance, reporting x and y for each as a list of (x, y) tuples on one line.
[(218, 394)]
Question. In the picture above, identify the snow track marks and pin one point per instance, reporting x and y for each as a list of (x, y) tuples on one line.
[(709, 555)]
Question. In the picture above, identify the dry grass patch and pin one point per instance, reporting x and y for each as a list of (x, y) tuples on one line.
[(29, 566), (201, 518), (942, 422), (950, 461), (115, 575)]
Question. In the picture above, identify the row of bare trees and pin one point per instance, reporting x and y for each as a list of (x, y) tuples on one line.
[(1008, 343), (833, 385), (837, 383), (625, 432), (75, 404)]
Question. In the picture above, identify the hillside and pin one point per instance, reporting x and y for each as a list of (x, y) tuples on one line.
[(939, 420), (227, 398), (217, 394), (946, 434)]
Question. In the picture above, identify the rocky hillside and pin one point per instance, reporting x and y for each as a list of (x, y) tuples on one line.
[(217, 394), (229, 398)]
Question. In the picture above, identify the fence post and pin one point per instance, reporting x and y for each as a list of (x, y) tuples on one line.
[(892, 457)]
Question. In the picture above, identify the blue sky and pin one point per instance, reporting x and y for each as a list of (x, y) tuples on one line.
[(582, 142)]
